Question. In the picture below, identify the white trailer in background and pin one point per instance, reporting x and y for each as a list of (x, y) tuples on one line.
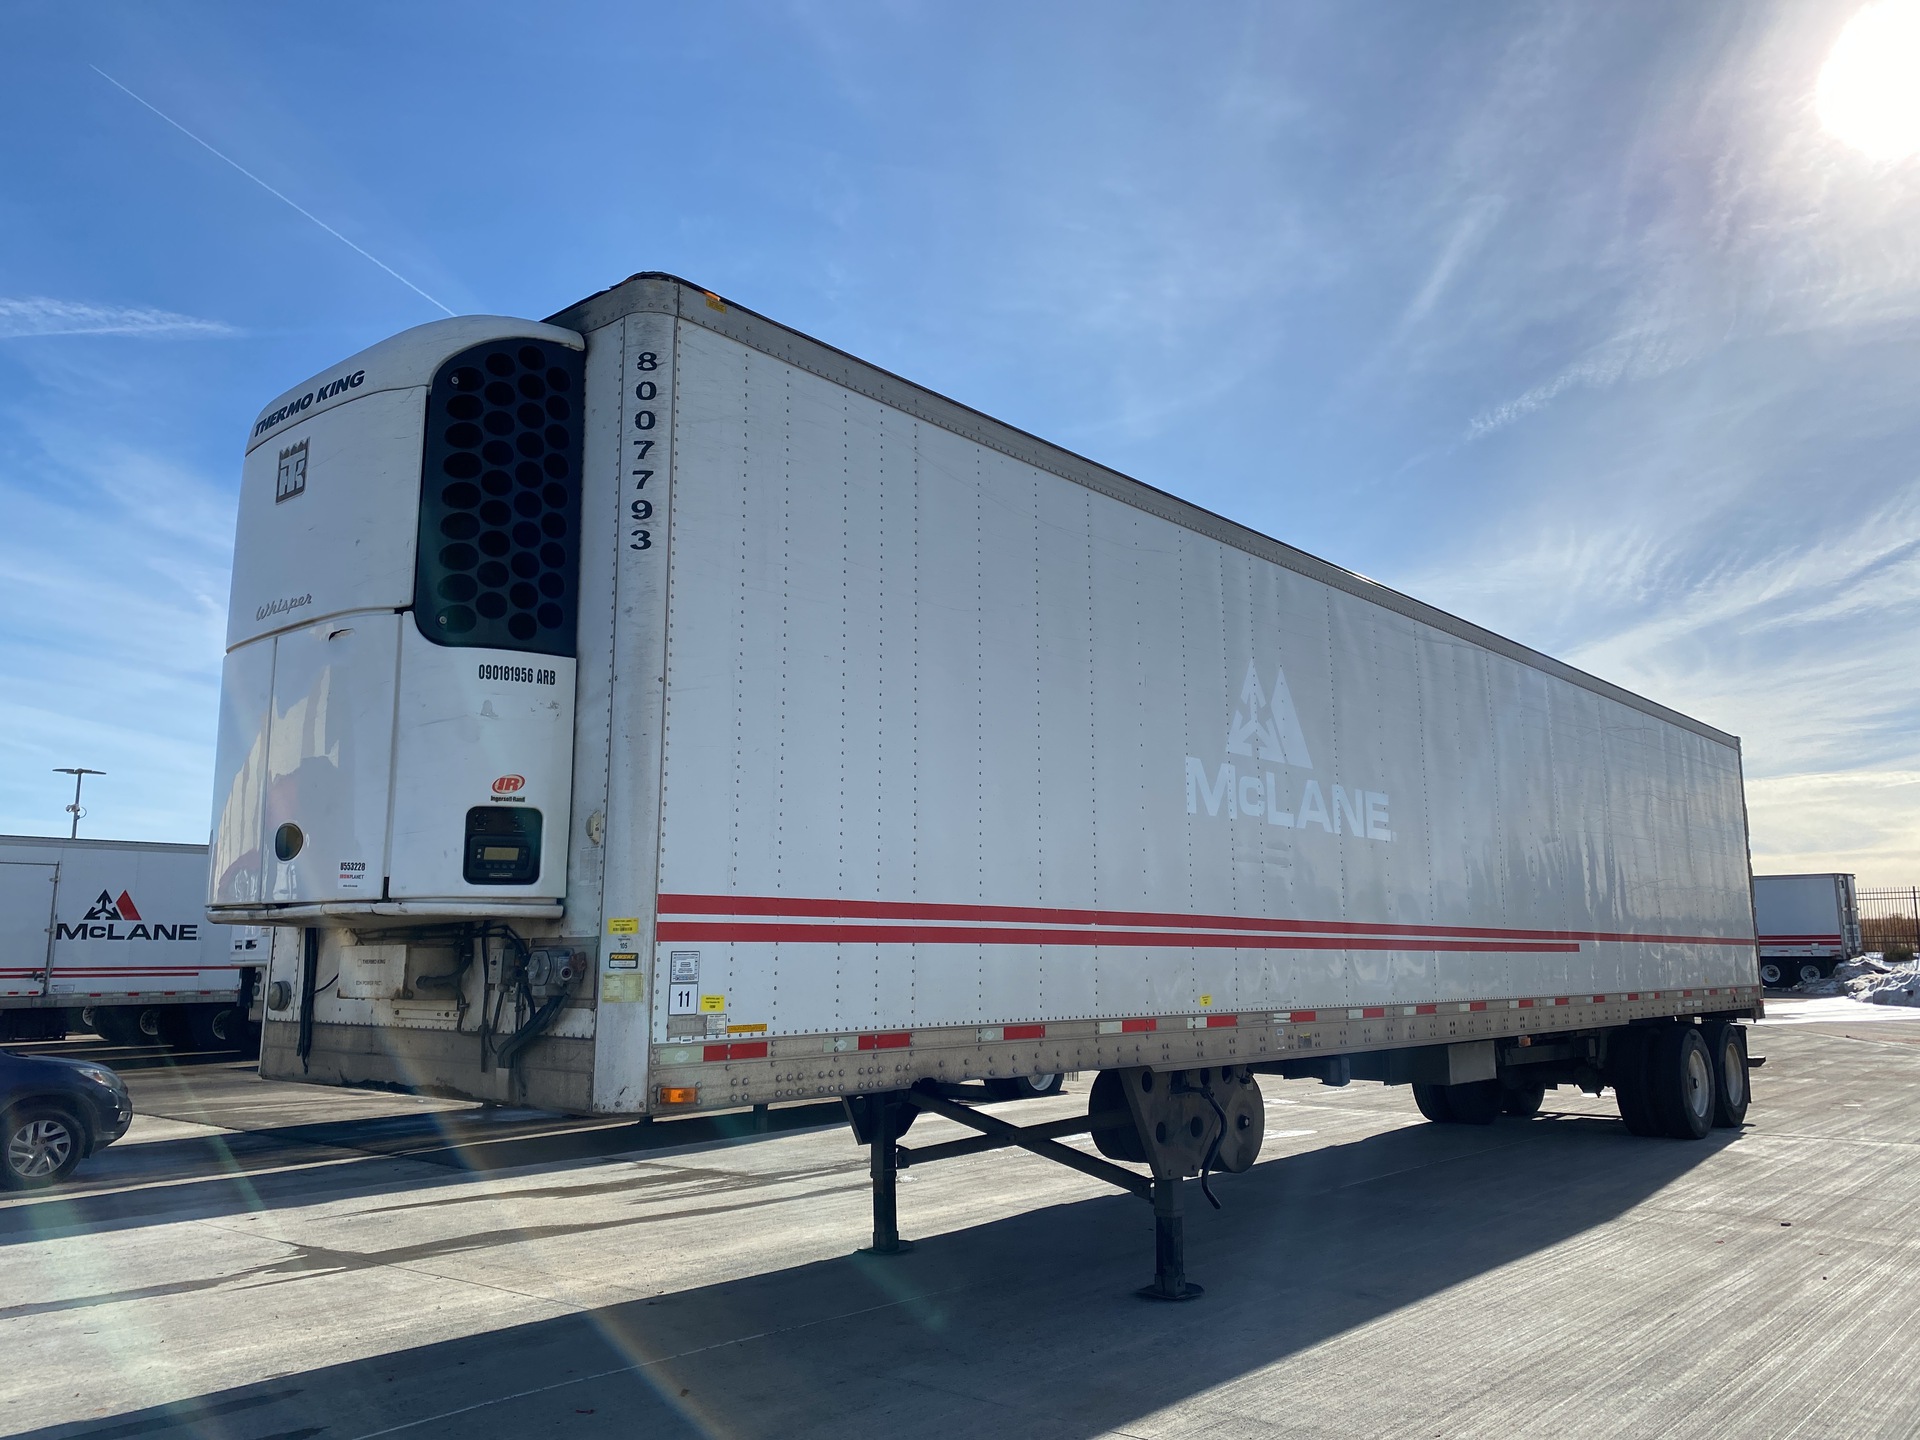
[(657, 711), (117, 929), (1807, 924)]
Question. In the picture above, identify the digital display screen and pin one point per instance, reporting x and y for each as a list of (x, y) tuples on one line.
[(503, 845)]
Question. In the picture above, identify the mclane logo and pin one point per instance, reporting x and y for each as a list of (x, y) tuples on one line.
[(509, 784), (1266, 733), (106, 916), (293, 472)]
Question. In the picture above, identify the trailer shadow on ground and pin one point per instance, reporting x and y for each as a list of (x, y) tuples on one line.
[(1023, 1327), (235, 1172)]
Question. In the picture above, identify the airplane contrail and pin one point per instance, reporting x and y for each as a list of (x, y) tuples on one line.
[(270, 190)]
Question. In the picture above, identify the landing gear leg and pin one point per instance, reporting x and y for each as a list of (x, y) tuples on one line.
[(880, 1121), (1169, 1245)]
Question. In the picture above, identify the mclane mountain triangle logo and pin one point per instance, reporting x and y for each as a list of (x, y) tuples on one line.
[(1265, 732), (107, 916)]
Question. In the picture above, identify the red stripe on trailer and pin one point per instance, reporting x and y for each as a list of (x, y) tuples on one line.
[(1302, 1017), (1024, 1032), (788, 933), (844, 909), (1526, 1004), (1373, 1012), (1222, 1022), (1563, 999), (1477, 1005), (1426, 1009), (1134, 1027), (1599, 999), (892, 1040)]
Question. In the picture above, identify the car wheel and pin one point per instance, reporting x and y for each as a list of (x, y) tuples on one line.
[(1727, 1045), (1523, 1100), (1773, 973), (39, 1146), (1680, 1082)]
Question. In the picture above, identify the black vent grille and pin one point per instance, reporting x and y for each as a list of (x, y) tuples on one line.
[(499, 559)]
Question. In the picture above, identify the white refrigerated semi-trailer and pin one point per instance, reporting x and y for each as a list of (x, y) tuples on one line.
[(117, 929), (1807, 924), (656, 710)]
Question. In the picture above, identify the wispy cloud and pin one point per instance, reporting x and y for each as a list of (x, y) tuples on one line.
[(38, 315)]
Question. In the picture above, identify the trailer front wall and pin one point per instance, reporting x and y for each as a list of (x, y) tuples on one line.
[(953, 741)]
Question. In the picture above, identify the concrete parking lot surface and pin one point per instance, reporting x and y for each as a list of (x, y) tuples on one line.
[(259, 1260)]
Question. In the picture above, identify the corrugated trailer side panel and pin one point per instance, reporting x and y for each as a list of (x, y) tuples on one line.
[(938, 720)]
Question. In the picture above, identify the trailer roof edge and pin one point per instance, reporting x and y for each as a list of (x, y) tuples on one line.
[(655, 292)]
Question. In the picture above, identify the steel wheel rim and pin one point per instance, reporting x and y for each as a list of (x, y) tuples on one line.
[(38, 1148), (1734, 1074), (1699, 1078)]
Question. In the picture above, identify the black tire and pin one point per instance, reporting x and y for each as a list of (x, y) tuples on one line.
[(1477, 1103), (1523, 1100), (119, 1025), (1433, 1103), (1773, 974), (40, 1143), (216, 1027), (1732, 1090), (1627, 1073), (1680, 1083), (1810, 970), (1027, 1087)]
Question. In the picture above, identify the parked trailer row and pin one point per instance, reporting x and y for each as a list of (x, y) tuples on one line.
[(113, 934), (655, 710)]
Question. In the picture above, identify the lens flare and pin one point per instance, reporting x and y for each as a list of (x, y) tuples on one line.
[(1869, 90)]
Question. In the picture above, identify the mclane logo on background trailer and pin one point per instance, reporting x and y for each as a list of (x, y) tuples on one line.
[(942, 758)]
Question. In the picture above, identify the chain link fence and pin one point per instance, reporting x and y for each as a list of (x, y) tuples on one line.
[(1890, 921)]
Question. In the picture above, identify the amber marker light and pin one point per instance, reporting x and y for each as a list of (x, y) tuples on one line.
[(678, 1094)]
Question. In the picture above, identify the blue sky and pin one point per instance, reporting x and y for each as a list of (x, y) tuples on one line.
[(1575, 320)]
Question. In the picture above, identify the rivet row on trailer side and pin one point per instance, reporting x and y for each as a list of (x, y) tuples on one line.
[(655, 711)]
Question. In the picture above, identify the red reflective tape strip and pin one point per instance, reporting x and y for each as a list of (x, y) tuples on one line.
[(894, 1040), (1526, 1004), (747, 1050), (1563, 1000), (1426, 1009), (1599, 999), (1477, 1005), (1373, 1013), (1131, 1027), (788, 933), (1222, 1022), (1024, 1032), (842, 909), (714, 1052), (1302, 1017)]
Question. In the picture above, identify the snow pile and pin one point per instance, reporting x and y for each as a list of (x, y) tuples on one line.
[(1871, 980), (1886, 985)]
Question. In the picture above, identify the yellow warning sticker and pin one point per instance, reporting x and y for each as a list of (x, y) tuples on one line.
[(746, 1029), (1206, 999), (713, 1004), (623, 925)]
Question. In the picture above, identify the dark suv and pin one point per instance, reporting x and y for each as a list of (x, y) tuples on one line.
[(53, 1114)]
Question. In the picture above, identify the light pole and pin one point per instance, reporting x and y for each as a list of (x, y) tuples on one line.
[(79, 773)]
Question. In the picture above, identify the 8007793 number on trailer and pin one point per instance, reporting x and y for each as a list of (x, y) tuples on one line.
[(892, 754)]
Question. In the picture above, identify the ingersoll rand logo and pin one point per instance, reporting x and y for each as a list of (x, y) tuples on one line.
[(1258, 780), (111, 918), (509, 784)]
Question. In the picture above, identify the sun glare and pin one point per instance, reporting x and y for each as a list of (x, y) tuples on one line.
[(1869, 91)]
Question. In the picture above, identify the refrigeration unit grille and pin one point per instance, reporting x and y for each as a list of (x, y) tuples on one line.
[(499, 556)]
